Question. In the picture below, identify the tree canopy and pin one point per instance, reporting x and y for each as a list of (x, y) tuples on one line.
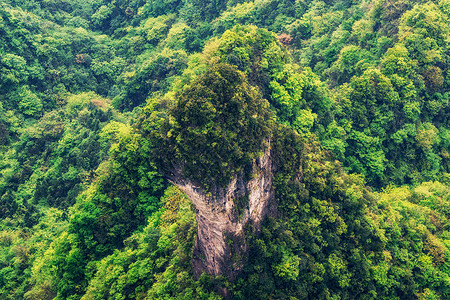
[(101, 100)]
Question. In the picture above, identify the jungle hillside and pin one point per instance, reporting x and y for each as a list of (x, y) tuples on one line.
[(186, 149)]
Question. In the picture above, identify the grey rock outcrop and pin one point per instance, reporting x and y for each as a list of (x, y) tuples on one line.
[(223, 215)]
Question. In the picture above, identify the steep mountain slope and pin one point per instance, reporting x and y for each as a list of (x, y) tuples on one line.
[(309, 141)]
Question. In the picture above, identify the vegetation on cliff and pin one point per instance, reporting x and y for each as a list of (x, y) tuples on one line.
[(216, 128)]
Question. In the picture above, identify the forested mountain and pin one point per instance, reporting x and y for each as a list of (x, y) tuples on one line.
[(168, 149)]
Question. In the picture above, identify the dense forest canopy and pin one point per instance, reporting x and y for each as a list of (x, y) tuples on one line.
[(100, 99)]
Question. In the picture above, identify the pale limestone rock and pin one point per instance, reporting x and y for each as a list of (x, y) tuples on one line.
[(220, 248)]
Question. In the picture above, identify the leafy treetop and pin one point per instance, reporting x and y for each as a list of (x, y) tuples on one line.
[(217, 127)]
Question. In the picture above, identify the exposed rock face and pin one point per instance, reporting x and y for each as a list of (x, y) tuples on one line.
[(223, 214)]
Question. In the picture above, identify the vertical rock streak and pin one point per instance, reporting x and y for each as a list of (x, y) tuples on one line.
[(220, 247)]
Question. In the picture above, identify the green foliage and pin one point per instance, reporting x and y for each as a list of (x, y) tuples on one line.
[(242, 13), (313, 246), (155, 74), (288, 268), (85, 213), (155, 262), (28, 102), (120, 201), (218, 126), (253, 50), (416, 238), (352, 60), (298, 98), (423, 30), (21, 249)]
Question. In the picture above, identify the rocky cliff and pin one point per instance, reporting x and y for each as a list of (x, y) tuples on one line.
[(216, 147), (223, 215)]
